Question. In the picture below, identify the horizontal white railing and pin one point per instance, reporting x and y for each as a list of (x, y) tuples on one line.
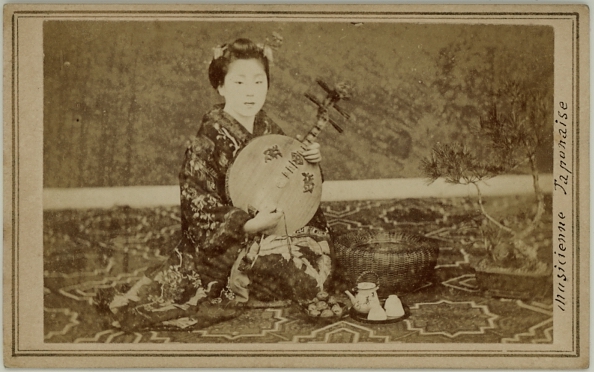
[(399, 188)]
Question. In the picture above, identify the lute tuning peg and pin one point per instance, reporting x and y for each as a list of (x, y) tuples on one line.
[(342, 91)]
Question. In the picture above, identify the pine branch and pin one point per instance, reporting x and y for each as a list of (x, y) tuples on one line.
[(456, 165)]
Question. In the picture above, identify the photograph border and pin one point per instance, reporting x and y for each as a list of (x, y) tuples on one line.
[(19, 204)]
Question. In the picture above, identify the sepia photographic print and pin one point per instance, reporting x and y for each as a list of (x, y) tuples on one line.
[(345, 186)]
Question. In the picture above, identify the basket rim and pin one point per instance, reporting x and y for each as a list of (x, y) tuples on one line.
[(385, 249), (373, 241)]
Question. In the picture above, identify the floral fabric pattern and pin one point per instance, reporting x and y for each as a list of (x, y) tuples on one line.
[(214, 247), (294, 267)]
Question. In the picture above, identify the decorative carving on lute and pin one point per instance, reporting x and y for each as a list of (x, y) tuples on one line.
[(297, 158), (272, 153), (308, 183)]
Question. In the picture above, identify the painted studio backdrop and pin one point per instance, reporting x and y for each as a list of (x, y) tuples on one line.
[(122, 99)]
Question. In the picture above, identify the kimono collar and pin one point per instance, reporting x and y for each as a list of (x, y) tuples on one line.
[(261, 124)]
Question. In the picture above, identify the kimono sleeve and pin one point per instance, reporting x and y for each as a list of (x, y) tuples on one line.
[(208, 221)]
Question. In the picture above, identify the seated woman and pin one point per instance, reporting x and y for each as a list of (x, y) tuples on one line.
[(225, 255)]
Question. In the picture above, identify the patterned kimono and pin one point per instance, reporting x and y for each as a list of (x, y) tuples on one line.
[(216, 262)]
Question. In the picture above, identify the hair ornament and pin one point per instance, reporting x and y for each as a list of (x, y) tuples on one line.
[(218, 51), (267, 52)]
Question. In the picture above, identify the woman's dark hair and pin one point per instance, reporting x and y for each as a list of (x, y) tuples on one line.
[(239, 49)]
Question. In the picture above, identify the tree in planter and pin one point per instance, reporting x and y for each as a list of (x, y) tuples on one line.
[(513, 130)]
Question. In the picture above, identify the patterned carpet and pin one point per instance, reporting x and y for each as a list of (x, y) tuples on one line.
[(86, 250)]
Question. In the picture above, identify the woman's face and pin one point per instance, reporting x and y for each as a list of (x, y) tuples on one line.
[(244, 88)]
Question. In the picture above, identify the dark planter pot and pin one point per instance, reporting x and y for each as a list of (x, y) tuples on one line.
[(523, 286)]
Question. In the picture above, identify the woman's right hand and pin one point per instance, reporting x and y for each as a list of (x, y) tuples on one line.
[(263, 222)]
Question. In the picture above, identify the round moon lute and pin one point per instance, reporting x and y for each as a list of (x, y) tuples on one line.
[(270, 172)]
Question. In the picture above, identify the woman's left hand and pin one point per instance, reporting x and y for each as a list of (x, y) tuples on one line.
[(312, 152)]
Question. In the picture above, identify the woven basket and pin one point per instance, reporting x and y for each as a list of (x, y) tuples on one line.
[(403, 262)]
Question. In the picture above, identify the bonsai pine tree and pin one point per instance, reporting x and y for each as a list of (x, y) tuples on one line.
[(513, 130)]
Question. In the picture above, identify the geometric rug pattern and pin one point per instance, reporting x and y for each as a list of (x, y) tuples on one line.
[(86, 250)]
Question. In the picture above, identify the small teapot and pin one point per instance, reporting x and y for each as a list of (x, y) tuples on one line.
[(366, 297)]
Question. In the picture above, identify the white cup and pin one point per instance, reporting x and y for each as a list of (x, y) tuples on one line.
[(394, 306)]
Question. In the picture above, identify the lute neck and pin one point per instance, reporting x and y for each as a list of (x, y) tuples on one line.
[(313, 133), (316, 129)]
